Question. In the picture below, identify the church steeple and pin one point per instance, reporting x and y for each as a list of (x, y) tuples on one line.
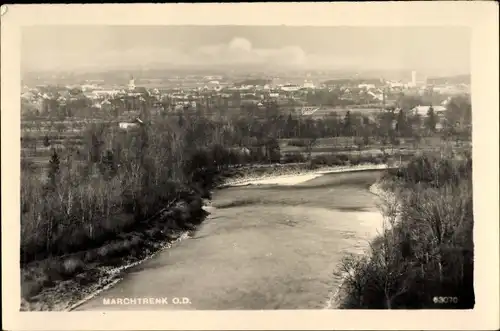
[(131, 83)]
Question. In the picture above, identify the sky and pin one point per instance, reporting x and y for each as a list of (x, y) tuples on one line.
[(443, 49)]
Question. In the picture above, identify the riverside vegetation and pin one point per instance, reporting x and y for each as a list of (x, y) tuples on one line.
[(426, 249), (122, 194)]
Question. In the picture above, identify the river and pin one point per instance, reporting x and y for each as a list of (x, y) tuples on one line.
[(262, 247)]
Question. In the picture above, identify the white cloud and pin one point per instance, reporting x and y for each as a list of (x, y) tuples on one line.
[(241, 50), (240, 44), (238, 50)]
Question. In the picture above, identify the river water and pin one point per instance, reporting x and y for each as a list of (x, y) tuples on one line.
[(262, 247)]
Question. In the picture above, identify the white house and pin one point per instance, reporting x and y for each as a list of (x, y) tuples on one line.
[(290, 87), (396, 84), (376, 95), (130, 125), (308, 85), (423, 110), (105, 93), (366, 86), (446, 102), (308, 110)]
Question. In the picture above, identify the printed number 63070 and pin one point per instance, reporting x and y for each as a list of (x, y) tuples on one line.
[(445, 299)]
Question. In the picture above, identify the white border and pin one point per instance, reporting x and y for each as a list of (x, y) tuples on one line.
[(482, 17)]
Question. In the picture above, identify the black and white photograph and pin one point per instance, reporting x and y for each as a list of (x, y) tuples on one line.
[(222, 167)]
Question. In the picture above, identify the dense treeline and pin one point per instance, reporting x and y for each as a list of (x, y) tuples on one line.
[(160, 152), (424, 257), (126, 178)]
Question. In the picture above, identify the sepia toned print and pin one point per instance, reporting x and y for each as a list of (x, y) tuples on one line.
[(246, 168)]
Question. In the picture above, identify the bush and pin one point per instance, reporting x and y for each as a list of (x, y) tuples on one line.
[(294, 158), (72, 266), (426, 248), (436, 171), (328, 160), (298, 143), (355, 160)]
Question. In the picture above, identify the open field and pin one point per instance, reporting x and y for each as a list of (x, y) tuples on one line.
[(325, 111), (35, 151)]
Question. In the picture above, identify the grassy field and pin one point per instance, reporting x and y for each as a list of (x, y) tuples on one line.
[(34, 148), (325, 111)]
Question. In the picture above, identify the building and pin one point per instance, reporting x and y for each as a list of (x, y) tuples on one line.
[(138, 91), (106, 105), (131, 84), (396, 85), (423, 110), (130, 125), (414, 78), (366, 86), (308, 110), (290, 88), (105, 93), (377, 95), (308, 85)]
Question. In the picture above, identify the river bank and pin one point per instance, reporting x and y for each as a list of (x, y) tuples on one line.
[(427, 240), (92, 276), (337, 295)]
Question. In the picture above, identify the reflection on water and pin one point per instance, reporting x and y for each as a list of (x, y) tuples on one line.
[(263, 247)]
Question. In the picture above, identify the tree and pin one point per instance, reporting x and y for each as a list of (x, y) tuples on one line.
[(96, 145), (360, 143), (347, 124), (431, 120), (459, 111), (60, 128), (108, 164), (181, 120), (309, 144), (272, 110), (402, 124), (290, 126), (54, 169), (46, 141), (273, 150), (219, 156), (408, 102)]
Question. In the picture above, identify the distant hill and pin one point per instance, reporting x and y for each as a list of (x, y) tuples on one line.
[(253, 81), (458, 79), (348, 81)]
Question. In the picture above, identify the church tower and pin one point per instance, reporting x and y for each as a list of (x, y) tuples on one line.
[(131, 83)]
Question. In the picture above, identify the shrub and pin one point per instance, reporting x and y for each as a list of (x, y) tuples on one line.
[(426, 248), (72, 266), (298, 143), (355, 160), (294, 158)]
